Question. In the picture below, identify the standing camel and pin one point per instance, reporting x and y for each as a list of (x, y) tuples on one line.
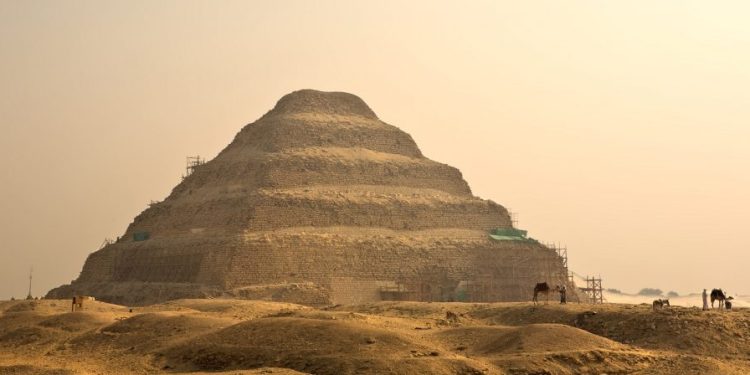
[(718, 294), (542, 288)]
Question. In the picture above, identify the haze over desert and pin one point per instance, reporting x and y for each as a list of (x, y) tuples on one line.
[(341, 187)]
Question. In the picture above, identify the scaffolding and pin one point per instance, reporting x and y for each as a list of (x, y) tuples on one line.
[(513, 218), (594, 289), (562, 254), (192, 162)]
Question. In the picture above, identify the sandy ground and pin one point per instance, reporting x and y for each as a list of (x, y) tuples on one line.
[(255, 337)]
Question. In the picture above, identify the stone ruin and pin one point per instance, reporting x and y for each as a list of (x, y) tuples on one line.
[(319, 202)]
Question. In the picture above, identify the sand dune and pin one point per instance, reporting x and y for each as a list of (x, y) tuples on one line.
[(257, 337)]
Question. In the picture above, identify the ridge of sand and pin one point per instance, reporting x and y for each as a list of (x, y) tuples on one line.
[(254, 337)]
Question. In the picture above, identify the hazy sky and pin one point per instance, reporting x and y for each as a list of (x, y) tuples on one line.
[(619, 128)]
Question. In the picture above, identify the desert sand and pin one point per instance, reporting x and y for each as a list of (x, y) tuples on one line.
[(259, 337)]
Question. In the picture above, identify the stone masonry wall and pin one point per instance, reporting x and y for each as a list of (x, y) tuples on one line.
[(291, 171), (280, 133), (280, 213), (176, 259), (514, 267)]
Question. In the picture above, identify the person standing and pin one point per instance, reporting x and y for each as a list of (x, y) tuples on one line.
[(563, 297), (705, 300)]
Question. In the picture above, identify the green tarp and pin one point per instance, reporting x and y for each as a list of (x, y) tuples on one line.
[(506, 238), (513, 232), (508, 234)]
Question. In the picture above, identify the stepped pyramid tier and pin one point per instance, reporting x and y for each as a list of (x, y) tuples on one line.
[(317, 202)]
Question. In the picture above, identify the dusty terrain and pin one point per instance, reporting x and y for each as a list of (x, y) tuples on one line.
[(257, 337)]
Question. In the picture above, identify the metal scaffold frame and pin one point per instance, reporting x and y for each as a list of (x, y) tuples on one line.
[(594, 289), (192, 162)]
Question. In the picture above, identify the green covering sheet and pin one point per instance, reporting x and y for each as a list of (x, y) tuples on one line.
[(508, 234)]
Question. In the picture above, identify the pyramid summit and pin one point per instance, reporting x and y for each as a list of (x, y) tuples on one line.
[(333, 103), (319, 202)]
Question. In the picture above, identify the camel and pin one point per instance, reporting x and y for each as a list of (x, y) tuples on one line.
[(543, 288), (660, 303), (718, 294)]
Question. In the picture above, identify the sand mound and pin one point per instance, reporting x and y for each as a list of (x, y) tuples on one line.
[(78, 321), (162, 323), (549, 337), (11, 321), (577, 362), (30, 336), (310, 345), (240, 309), (145, 332), (28, 306), (535, 338), (55, 306)]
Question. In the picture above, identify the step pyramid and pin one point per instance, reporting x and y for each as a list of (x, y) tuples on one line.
[(317, 202)]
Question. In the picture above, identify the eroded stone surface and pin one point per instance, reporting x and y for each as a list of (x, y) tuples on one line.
[(319, 191)]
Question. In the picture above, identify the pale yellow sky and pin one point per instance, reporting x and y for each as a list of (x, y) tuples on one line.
[(617, 128)]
